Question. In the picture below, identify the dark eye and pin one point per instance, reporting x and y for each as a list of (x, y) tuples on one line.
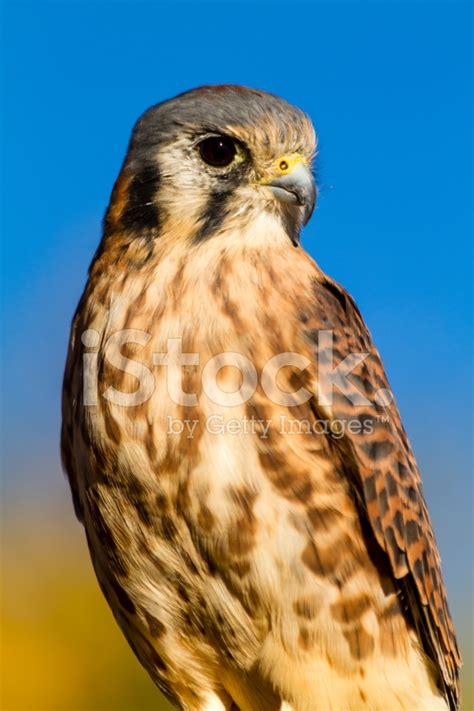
[(218, 151)]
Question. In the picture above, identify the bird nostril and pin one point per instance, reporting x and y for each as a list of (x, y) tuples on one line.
[(283, 165)]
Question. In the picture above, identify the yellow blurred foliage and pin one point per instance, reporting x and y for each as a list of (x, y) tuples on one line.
[(62, 650)]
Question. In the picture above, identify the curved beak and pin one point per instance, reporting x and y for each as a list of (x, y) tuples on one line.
[(296, 187)]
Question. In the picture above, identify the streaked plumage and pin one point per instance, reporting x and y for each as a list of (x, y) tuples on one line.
[(255, 570)]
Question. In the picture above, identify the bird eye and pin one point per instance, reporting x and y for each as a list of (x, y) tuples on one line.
[(218, 151)]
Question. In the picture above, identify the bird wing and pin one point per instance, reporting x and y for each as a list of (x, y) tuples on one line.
[(381, 466), (71, 409)]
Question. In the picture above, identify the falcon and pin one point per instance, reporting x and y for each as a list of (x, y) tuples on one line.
[(252, 506)]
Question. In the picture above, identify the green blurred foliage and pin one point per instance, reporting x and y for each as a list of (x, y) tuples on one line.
[(62, 650)]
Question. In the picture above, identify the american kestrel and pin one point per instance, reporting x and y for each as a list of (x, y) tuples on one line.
[(252, 506)]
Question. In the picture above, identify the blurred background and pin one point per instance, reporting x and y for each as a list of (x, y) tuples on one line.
[(389, 88)]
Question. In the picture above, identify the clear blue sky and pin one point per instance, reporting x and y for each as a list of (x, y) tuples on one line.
[(388, 87)]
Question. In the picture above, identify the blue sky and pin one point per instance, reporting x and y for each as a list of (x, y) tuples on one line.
[(388, 87)]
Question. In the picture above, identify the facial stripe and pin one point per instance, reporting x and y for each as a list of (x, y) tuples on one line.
[(291, 225), (214, 214), (141, 210)]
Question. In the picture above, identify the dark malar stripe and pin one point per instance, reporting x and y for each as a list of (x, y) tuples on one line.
[(291, 225), (141, 211), (215, 212)]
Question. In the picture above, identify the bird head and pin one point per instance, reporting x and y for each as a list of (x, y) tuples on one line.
[(213, 158)]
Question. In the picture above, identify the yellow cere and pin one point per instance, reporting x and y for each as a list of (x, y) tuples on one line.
[(284, 165)]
